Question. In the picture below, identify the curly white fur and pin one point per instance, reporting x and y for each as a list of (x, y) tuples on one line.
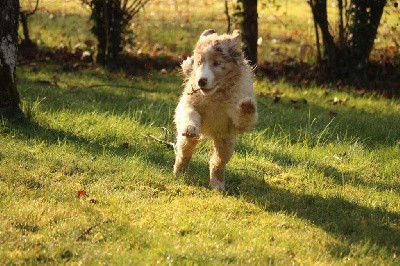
[(218, 102)]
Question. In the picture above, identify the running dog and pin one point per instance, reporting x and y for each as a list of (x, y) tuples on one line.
[(218, 102)]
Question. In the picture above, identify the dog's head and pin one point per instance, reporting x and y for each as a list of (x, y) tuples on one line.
[(216, 59)]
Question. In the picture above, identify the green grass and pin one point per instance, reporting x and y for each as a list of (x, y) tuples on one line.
[(315, 183), (304, 187)]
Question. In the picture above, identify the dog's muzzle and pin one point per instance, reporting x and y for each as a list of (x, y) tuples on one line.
[(202, 83)]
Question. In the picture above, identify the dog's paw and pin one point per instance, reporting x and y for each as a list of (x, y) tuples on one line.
[(179, 170), (247, 106), (191, 132), (217, 184)]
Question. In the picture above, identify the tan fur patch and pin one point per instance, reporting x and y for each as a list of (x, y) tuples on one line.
[(228, 110)]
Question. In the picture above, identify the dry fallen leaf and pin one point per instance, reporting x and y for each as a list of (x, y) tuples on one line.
[(81, 193)]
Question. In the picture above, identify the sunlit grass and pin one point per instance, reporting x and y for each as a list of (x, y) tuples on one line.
[(315, 183), (80, 183)]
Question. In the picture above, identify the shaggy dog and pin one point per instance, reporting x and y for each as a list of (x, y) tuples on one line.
[(218, 102)]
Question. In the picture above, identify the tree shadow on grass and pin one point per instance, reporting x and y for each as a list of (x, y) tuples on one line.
[(102, 97), (29, 129), (355, 123), (373, 229), (350, 222), (340, 177), (347, 220), (358, 127), (348, 177)]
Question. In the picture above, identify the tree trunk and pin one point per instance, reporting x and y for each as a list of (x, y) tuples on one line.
[(26, 42), (366, 19), (116, 21), (9, 96), (341, 23), (320, 14), (250, 29), (228, 17), (107, 16), (348, 58)]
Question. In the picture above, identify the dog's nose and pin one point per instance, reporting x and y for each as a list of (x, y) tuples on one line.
[(202, 82)]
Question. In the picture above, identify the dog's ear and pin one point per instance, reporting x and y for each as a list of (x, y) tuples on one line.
[(207, 32), (236, 39), (234, 47), (187, 66)]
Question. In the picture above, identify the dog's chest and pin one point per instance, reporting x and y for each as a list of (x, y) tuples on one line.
[(215, 121)]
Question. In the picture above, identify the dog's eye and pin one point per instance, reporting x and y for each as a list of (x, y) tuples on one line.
[(199, 63), (217, 63)]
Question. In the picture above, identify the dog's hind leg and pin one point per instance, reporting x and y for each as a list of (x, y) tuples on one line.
[(184, 150), (222, 152)]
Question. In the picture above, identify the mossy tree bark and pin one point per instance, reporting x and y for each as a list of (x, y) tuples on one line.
[(9, 96)]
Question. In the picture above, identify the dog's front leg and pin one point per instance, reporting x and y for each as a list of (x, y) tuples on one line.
[(246, 117), (184, 150), (188, 122), (222, 152)]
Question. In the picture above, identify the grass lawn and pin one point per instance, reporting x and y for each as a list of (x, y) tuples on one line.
[(317, 181), (79, 183)]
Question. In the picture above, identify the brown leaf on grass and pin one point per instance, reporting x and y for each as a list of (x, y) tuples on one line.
[(81, 193)]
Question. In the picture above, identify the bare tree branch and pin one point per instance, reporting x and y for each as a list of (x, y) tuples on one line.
[(228, 17), (27, 14), (169, 144)]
